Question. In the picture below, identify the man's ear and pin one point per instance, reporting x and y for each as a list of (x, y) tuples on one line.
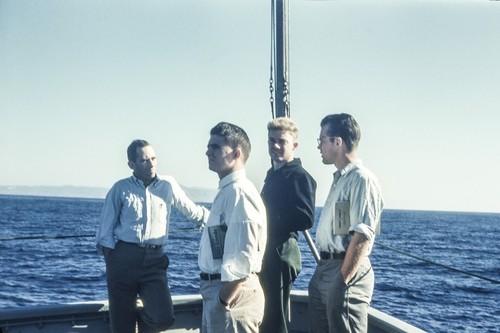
[(237, 152), (131, 165)]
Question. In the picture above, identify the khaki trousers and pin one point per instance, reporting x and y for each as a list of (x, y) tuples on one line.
[(244, 317)]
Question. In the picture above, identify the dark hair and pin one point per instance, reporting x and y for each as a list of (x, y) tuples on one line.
[(345, 126), (132, 149), (234, 136)]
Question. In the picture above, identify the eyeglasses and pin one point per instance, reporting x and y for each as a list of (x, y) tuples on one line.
[(320, 140)]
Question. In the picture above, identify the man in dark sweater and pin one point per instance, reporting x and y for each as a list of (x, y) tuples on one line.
[(289, 195)]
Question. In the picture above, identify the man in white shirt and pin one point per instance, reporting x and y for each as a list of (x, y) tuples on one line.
[(132, 235), (341, 288), (234, 240)]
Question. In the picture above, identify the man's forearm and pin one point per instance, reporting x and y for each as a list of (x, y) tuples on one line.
[(356, 251)]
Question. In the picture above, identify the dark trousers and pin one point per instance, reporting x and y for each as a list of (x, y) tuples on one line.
[(276, 278), (133, 271)]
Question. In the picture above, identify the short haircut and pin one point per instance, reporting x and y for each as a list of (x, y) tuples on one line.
[(345, 126), (234, 136), (283, 124), (132, 149)]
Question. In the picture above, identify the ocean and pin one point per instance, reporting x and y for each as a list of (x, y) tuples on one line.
[(439, 271)]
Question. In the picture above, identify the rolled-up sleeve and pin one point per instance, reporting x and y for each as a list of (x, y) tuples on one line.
[(366, 207)]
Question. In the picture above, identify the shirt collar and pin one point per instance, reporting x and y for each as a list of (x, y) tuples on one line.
[(139, 182), (345, 170), (232, 177), (289, 168)]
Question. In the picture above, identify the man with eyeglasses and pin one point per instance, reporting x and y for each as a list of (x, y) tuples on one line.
[(289, 195), (341, 288)]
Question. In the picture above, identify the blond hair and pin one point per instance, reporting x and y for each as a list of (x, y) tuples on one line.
[(283, 124)]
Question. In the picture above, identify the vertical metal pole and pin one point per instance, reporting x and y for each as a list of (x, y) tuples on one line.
[(280, 59), (310, 242)]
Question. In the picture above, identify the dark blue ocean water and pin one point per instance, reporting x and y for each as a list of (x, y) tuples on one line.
[(49, 271)]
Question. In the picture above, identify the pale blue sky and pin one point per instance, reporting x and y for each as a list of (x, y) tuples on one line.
[(80, 79)]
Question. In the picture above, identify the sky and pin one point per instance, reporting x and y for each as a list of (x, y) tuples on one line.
[(79, 80)]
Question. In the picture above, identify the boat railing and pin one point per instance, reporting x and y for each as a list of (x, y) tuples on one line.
[(93, 317)]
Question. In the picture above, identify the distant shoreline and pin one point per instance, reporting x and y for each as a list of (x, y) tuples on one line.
[(195, 193), (206, 199), (56, 191)]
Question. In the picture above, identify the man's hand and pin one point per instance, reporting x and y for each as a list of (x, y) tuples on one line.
[(106, 251), (229, 291)]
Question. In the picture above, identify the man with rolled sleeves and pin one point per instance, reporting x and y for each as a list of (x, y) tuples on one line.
[(341, 288)]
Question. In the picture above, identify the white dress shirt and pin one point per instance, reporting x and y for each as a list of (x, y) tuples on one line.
[(139, 214), (237, 204), (357, 188)]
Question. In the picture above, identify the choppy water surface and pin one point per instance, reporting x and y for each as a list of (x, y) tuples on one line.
[(48, 271)]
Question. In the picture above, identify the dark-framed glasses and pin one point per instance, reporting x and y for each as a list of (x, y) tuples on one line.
[(320, 140)]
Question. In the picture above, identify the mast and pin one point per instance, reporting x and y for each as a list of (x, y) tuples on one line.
[(281, 94)]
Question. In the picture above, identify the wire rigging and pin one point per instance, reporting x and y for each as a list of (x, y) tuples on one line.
[(436, 263), (386, 247)]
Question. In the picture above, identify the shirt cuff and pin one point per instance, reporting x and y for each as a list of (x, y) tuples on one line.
[(365, 230)]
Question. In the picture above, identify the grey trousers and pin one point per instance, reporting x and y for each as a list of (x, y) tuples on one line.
[(335, 307), (244, 317), (133, 271)]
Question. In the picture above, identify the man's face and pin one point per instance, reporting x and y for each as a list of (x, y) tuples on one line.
[(145, 164), (326, 146), (220, 156), (281, 146)]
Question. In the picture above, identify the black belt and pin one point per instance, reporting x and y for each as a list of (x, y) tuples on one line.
[(150, 246), (145, 246), (209, 277), (328, 255)]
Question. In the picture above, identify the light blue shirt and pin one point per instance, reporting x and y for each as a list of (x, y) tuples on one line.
[(357, 187), (138, 214), (239, 205)]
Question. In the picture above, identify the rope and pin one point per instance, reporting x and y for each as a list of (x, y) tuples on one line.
[(437, 264), (41, 237), (44, 237)]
